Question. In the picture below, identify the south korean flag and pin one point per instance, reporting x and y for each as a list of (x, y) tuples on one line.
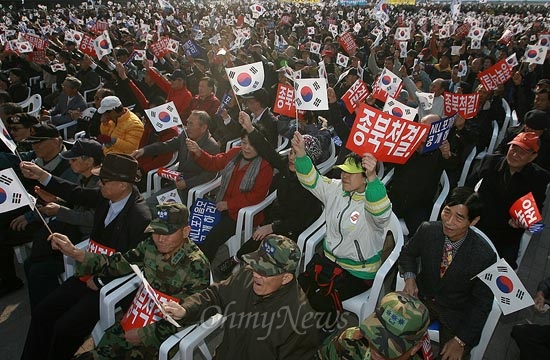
[(171, 196), (345, 26), (314, 47), (512, 60), (164, 116), (462, 68), (103, 45), (6, 138), (333, 28), (426, 100), (24, 47), (395, 108), (544, 40), (402, 34), (245, 79), (12, 193), (310, 94), (535, 54), (475, 44), (173, 45), (389, 82), (58, 67), (311, 30), (445, 32), (342, 60)]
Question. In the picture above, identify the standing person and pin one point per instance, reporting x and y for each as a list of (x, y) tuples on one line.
[(265, 289), (62, 321), (171, 263), (451, 255), (357, 211)]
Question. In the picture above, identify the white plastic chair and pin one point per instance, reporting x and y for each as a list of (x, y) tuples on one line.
[(515, 120), (66, 126), (523, 245), (32, 104), (308, 240), (154, 183), (92, 92), (492, 143), (445, 187), (232, 143), (506, 123), (22, 252), (490, 324), (364, 304), (466, 167), (69, 263), (327, 165)]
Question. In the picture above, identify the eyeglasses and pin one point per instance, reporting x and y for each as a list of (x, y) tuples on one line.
[(105, 181)]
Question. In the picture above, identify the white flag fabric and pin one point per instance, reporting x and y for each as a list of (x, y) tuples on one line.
[(476, 33), (426, 100), (445, 32), (12, 193), (171, 196), (164, 4), (462, 68), (512, 60), (382, 12), (402, 34), (311, 30), (390, 83), (257, 10), (402, 111), (58, 67), (475, 44), (310, 94), (544, 40), (403, 49), (509, 292), (333, 28), (342, 60), (173, 45), (535, 54), (314, 47), (378, 39), (6, 138), (245, 79), (103, 45), (164, 116), (24, 47), (73, 35)]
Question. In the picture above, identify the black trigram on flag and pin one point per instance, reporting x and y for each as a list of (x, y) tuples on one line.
[(519, 294), (407, 112), (6, 180), (159, 124), (231, 74), (316, 85), (153, 114), (169, 108), (317, 102), (235, 89), (489, 276), (253, 70), (16, 198), (298, 102), (256, 84), (503, 269), (505, 300)]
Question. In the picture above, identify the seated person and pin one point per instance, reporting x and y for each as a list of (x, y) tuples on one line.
[(171, 263), (18, 88), (19, 127), (69, 103), (451, 255), (246, 178), (258, 291)]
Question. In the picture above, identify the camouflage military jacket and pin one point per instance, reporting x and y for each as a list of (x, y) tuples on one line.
[(185, 273)]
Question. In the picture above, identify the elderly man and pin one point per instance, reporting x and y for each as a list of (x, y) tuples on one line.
[(379, 335), (193, 174), (263, 119), (268, 316), (451, 255), (205, 100), (69, 103), (63, 320), (437, 88), (503, 179), (124, 137), (171, 263)]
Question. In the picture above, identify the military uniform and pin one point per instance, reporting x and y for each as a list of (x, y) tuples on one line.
[(184, 274)]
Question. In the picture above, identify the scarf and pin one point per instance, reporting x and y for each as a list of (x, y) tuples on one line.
[(249, 177)]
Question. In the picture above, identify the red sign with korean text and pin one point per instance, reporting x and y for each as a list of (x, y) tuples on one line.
[(99, 27), (387, 137), (497, 74), (284, 103), (466, 105), (143, 311), (348, 43), (87, 45), (355, 95), (525, 211), (97, 248), (462, 30), (36, 41), (38, 57), (160, 48)]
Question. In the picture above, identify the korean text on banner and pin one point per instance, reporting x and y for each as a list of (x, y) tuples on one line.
[(526, 212), (497, 74), (355, 95), (439, 131), (466, 105), (204, 216), (284, 102), (387, 137)]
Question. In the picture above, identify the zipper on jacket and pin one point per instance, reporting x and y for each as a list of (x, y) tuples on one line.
[(340, 226), (359, 254)]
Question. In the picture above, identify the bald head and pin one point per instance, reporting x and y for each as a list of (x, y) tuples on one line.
[(437, 87)]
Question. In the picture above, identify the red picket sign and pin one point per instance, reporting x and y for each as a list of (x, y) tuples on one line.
[(87, 45), (37, 42), (160, 48), (497, 74), (143, 311), (525, 211), (284, 103), (348, 43), (466, 105), (355, 95), (97, 248), (388, 138)]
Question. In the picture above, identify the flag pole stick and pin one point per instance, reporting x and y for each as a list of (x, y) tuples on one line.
[(237, 100), (43, 220), (18, 155)]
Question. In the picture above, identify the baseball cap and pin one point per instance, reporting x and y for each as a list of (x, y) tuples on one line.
[(527, 141), (536, 119), (170, 218), (177, 74), (23, 119), (109, 103), (84, 147), (277, 255), (398, 323), (41, 132), (350, 166)]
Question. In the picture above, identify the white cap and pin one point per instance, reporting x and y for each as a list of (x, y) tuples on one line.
[(109, 103)]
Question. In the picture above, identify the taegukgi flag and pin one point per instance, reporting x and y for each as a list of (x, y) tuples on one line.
[(535, 54), (103, 45), (171, 196), (509, 292), (310, 94), (399, 110), (12, 193), (164, 116), (6, 138), (245, 79)]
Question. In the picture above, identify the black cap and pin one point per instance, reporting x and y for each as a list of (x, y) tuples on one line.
[(260, 95), (178, 74), (536, 119), (22, 119), (41, 132), (85, 147), (118, 167)]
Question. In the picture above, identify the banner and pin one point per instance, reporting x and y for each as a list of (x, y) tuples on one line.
[(526, 212), (347, 42), (509, 292), (355, 95), (99, 26), (395, 108), (87, 45), (388, 138), (284, 102), (224, 104), (466, 105), (204, 216), (310, 94), (160, 48), (439, 132), (36, 41), (246, 78), (164, 116), (497, 74), (191, 49), (96, 248)]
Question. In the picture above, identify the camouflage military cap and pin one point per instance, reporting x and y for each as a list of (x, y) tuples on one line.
[(277, 255), (170, 217), (398, 323)]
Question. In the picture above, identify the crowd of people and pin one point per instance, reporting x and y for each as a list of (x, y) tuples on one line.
[(92, 183)]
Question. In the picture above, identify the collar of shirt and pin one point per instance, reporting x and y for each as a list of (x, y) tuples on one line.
[(455, 244), (115, 208), (255, 119)]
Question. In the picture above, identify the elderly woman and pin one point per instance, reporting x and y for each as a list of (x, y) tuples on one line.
[(246, 178), (357, 211)]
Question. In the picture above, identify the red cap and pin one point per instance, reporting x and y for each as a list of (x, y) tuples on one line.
[(527, 141), (327, 53)]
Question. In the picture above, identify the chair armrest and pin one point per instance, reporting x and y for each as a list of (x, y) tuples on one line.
[(111, 294), (245, 219), (200, 191)]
